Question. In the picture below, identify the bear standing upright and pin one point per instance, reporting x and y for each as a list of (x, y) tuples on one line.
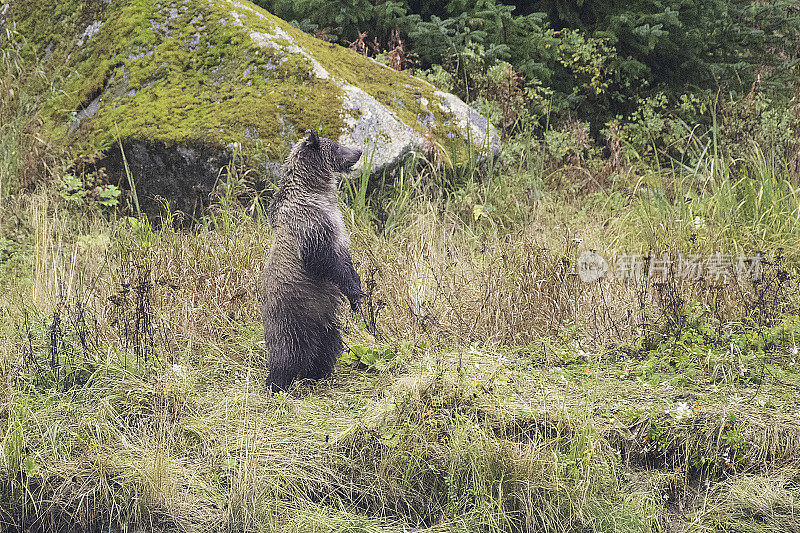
[(309, 267)]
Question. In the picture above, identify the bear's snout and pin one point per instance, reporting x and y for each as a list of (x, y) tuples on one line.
[(351, 157)]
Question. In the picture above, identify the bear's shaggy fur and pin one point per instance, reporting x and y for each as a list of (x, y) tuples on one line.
[(309, 267)]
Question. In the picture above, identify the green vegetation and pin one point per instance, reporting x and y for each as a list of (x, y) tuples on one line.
[(595, 60), (486, 387)]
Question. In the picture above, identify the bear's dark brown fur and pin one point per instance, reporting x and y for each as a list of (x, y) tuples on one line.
[(309, 267)]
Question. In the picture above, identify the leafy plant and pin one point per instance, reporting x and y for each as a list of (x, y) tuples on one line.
[(74, 191), (375, 358)]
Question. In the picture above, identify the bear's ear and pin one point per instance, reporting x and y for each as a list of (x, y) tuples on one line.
[(312, 138)]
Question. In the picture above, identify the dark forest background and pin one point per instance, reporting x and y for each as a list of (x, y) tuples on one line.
[(651, 65)]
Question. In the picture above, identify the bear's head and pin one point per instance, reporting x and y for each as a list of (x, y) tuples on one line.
[(334, 156), (315, 162)]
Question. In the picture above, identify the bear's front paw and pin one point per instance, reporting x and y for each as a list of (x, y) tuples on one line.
[(355, 301)]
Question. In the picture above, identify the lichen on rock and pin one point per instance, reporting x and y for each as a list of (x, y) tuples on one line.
[(190, 73)]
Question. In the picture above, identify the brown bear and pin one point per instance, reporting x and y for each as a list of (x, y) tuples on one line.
[(309, 268)]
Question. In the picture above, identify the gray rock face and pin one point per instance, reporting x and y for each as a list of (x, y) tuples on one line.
[(181, 176), (386, 139), (3, 11)]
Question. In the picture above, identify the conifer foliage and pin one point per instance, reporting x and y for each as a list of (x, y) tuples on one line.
[(594, 60)]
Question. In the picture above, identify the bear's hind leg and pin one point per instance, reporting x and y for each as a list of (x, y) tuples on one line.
[(288, 358), (280, 377), (328, 350)]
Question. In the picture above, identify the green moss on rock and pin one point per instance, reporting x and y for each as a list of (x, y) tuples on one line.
[(168, 71), (173, 71)]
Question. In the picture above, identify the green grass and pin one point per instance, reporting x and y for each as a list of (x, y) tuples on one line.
[(14, 117)]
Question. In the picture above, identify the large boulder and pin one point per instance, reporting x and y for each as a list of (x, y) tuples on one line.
[(167, 90)]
